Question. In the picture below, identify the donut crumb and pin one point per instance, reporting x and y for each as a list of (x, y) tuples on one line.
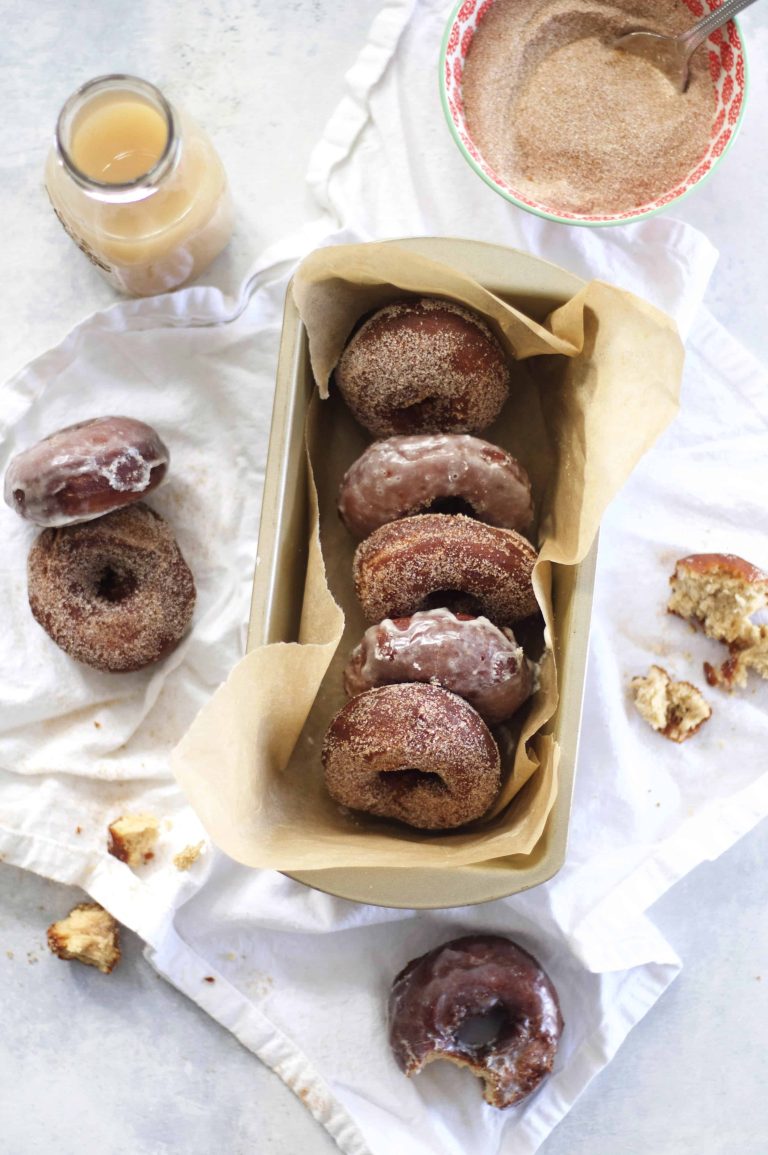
[(88, 934), (188, 856), (132, 838), (675, 709)]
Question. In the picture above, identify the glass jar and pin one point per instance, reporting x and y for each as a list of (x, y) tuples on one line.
[(137, 185)]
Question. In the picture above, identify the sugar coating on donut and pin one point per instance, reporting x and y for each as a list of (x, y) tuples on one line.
[(412, 752), (114, 593), (468, 656), (421, 366), (720, 593), (677, 710), (436, 559), (400, 476), (86, 470), (480, 1002)]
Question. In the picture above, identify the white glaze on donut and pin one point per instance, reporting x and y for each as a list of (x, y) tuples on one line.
[(469, 656), (437, 996), (400, 476), (86, 470)]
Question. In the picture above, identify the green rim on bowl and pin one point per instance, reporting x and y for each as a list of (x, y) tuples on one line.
[(586, 221)]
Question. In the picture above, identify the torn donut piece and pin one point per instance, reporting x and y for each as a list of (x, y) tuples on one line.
[(132, 838), (675, 709), (735, 669), (720, 593), (89, 934)]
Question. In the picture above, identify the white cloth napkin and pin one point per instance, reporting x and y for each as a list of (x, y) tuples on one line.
[(301, 978)]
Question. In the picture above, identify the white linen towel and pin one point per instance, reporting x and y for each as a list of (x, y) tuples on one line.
[(301, 978)]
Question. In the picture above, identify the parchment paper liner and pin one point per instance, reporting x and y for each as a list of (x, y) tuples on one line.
[(250, 763)]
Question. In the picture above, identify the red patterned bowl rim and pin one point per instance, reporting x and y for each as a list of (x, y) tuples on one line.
[(727, 60)]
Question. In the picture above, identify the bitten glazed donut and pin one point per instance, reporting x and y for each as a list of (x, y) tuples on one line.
[(480, 1002), (412, 752), (445, 559), (86, 470), (468, 656), (423, 366), (442, 472), (114, 593)]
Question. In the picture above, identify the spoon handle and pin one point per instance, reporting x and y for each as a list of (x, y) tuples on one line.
[(700, 31)]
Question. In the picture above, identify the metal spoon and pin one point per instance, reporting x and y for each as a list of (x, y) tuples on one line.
[(672, 54)]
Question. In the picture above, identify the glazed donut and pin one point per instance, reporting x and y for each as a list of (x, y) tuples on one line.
[(445, 559), (114, 593), (86, 470), (468, 656), (423, 366), (480, 1002), (442, 472), (412, 752)]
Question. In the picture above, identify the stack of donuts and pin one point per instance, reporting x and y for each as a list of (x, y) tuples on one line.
[(442, 572), (107, 580)]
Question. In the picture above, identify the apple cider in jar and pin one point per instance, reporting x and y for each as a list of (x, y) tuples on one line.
[(138, 186)]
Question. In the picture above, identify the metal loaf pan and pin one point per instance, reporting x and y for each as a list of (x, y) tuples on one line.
[(536, 287)]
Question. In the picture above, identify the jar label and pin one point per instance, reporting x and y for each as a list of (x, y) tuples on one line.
[(82, 245)]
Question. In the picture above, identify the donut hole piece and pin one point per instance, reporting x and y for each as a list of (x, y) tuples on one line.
[(115, 585), (456, 601)]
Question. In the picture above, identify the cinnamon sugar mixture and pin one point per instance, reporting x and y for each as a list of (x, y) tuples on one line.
[(570, 121)]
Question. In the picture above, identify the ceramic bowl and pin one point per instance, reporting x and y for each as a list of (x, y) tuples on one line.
[(728, 69)]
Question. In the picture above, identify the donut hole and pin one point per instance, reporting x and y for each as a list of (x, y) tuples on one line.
[(452, 505), (115, 585), (480, 1031), (409, 778), (457, 601)]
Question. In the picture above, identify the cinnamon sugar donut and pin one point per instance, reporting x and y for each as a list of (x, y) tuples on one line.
[(443, 472), (86, 470), (423, 366), (468, 656), (114, 593), (412, 752), (480, 1002), (445, 559)]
